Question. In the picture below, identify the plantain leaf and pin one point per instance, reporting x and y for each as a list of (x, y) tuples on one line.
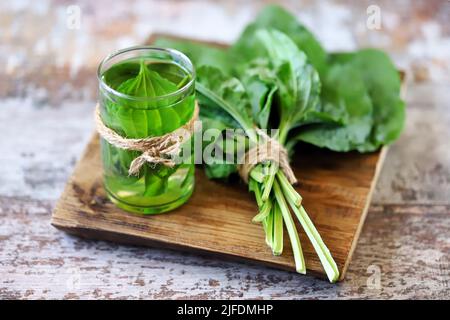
[(140, 117), (200, 54), (247, 47)]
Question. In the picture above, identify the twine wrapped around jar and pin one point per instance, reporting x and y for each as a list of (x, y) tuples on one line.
[(155, 150)]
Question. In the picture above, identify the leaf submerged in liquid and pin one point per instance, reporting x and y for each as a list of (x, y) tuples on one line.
[(139, 117)]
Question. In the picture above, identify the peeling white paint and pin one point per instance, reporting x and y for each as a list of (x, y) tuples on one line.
[(41, 151)]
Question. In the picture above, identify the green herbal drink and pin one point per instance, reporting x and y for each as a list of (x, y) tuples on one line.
[(146, 92)]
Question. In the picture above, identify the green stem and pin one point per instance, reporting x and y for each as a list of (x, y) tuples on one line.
[(292, 231), (263, 212), (284, 128), (273, 168), (322, 251), (269, 229), (254, 186), (288, 189), (248, 127), (257, 174), (277, 247)]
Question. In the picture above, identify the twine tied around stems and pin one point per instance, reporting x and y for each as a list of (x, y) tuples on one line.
[(268, 150), (155, 150)]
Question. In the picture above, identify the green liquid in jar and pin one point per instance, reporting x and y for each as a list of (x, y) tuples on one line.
[(157, 188)]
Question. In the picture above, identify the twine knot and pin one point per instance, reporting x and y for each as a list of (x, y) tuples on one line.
[(268, 150), (155, 150)]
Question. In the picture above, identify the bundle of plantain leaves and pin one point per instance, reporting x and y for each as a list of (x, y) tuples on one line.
[(277, 75)]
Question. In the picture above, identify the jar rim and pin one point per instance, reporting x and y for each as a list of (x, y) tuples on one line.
[(170, 51)]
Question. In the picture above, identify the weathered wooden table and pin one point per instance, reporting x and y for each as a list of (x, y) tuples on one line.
[(47, 94)]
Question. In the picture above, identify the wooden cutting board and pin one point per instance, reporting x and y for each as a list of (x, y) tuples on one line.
[(336, 188)]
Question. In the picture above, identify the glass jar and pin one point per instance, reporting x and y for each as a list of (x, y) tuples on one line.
[(145, 92)]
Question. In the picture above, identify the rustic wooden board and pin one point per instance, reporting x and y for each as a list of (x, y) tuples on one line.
[(336, 188)]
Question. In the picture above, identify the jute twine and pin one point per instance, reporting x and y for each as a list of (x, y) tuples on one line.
[(268, 150), (155, 150)]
